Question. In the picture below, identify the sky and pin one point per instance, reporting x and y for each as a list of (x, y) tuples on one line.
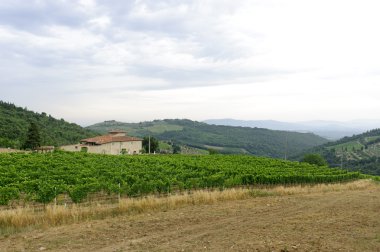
[(290, 60)]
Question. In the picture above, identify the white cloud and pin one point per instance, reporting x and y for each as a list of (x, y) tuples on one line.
[(274, 59), (100, 22)]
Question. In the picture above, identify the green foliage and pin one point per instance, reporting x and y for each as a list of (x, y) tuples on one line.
[(15, 122), (33, 139), (212, 151), (176, 149), (78, 192), (154, 144), (369, 165), (7, 194), (357, 153), (230, 140), (314, 159), (366, 176), (46, 191), (41, 177)]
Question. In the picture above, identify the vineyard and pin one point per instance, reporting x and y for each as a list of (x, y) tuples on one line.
[(42, 177)]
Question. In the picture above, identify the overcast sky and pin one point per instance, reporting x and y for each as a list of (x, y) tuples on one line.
[(291, 60)]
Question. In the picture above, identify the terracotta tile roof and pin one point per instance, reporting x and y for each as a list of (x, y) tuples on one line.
[(109, 139)]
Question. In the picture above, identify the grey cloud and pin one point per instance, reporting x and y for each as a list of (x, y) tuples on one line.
[(193, 24), (44, 57), (184, 78), (196, 32), (32, 16)]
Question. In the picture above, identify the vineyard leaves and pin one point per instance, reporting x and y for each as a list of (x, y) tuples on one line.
[(42, 177)]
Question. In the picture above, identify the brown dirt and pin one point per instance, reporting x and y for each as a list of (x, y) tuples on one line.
[(332, 221)]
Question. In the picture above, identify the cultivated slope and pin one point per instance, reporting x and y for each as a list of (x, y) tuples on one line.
[(226, 139), (15, 121), (359, 152)]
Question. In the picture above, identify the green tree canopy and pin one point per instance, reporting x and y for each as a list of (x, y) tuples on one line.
[(176, 149), (315, 159), (212, 151), (15, 122), (33, 139), (153, 144)]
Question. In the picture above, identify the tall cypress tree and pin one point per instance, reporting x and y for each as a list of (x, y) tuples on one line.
[(33, 139)]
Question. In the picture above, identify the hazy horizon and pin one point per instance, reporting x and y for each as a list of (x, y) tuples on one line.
[(362, 121), (89, 61)]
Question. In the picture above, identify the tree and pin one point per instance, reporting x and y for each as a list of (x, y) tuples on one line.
[(33, 139), (176, 149), (212, 151), (153, 144), (314, 159)]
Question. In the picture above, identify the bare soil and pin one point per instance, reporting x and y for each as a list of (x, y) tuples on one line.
[(332, 221)]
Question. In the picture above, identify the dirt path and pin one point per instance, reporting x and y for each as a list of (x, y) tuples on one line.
[(333, 221)]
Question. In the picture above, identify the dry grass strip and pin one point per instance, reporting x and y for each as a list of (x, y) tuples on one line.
[(15, 220)]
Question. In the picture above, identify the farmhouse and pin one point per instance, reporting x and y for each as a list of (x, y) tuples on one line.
[(115, 143)]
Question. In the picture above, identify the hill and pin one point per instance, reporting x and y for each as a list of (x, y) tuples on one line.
[(225, 139), (331, 130), (15, 121), (356, 153)]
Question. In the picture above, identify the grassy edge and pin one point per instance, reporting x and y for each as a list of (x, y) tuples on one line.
[(22, 219)]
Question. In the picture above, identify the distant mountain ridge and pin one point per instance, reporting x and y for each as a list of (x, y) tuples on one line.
[(332, 130), (15, 121), (226, 139)]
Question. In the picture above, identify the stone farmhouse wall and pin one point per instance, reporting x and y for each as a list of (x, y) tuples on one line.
[(113, 148)]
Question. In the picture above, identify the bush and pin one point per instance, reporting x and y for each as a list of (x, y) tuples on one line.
[(314, 159), (7, 194)]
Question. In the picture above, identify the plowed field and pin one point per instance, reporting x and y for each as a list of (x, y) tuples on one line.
[(347, 220)]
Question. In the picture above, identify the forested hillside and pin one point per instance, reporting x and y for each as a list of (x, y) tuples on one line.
[(15, 121), (225, 139), (356, 153)]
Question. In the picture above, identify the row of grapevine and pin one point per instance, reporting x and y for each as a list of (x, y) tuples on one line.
[(41, 177)]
